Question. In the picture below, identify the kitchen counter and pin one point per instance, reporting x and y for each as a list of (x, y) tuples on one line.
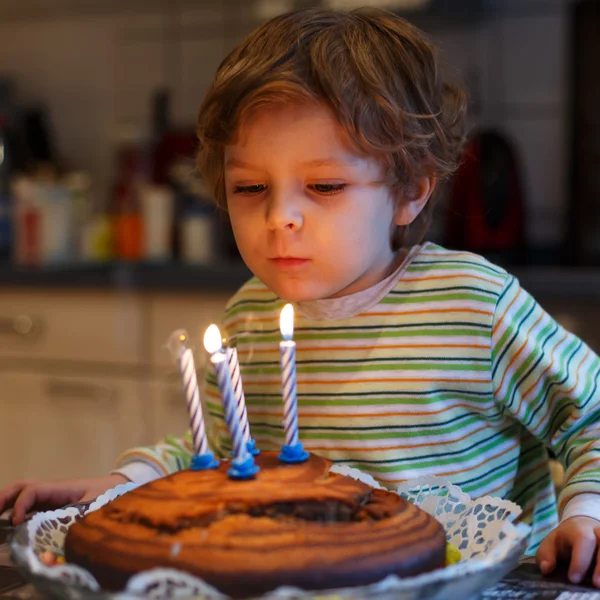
[(541, 282), (135, 276)]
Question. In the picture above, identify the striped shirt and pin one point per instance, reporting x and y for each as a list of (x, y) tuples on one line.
[(455, 372)]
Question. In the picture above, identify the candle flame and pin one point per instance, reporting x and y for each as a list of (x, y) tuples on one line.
[(286, 322), (212, 339), (178, 342)]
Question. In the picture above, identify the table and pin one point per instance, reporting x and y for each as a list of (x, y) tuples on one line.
[(524, 583)]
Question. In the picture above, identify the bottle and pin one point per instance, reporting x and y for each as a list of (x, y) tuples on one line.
[(79, 185), (127, 219), (5, 196), (198, 227), (157, 218)]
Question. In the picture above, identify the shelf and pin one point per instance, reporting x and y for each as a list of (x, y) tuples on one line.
[(134, 276), (541, 282)]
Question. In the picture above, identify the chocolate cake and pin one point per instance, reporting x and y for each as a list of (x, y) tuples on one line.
[(295, 525)]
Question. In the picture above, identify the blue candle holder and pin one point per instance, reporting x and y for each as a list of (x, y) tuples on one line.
[(251, 445), (243, 468), (201, 462), (293, 454)]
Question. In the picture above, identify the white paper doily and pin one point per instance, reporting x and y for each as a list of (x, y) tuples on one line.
[(482, 529)]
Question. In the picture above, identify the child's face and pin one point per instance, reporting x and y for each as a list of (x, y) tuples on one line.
[(311, 217)]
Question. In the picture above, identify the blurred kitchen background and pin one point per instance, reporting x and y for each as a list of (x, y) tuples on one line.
[(109, 241)]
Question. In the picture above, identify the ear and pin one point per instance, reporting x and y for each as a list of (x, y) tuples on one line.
[(413, 202)]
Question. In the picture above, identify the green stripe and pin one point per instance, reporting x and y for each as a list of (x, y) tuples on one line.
[(370, 367), (358, 335), (422, 299)]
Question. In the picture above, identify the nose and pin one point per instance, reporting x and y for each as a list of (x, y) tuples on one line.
[(284, 212)]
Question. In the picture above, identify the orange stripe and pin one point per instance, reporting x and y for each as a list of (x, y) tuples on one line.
[(255, 382), (304, 415), (565, 392), (457, 472), (587, 446), (583, 466), (564, 501), (495, 328), (487, 460), (243, 351), (459, 276), (516, 355), (578, 372), (552, 353), (385, 448), (498, 487), (275, 318), (487, 313), (445, 253), (526, 474), (244, 320)]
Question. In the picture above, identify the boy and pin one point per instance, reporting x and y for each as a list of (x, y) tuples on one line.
[(324, 135)]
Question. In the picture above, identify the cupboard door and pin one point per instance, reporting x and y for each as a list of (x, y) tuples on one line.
[(170, 409), (68, 426)]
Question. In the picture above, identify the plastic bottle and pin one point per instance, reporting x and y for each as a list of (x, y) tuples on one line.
[(127, 219)]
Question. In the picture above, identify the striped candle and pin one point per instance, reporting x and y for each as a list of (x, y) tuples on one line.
[(238, 391), (192, 396), (292, 451), (287, 349), (242, 465)]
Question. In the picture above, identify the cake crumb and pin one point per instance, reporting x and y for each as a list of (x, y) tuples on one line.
[(175, 549)]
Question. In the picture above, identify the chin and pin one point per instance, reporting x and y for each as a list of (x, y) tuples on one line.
[(296, 291)]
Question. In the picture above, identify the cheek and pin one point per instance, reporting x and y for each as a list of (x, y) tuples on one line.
[(360, 230)]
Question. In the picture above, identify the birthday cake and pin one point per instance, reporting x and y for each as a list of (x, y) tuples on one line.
[(292, 524)]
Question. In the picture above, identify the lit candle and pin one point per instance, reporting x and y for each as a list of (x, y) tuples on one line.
[(203, 457), (292, 451), (238, 392), (242, 465)]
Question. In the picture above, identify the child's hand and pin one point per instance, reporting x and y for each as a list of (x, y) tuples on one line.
[(578, 540), (26, 494)]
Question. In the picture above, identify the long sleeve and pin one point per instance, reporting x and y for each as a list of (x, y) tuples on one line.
[(169, 455), (548, 380)]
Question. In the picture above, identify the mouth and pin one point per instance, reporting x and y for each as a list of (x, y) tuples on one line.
[(288, 262)]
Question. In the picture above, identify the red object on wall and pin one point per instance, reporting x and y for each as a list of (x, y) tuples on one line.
[(486, 212)]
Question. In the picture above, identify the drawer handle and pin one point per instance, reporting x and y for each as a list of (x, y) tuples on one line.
[(59, 389), (23, 326)]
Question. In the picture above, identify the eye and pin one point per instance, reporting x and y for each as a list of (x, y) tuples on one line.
[(249, 190), (328, 189)]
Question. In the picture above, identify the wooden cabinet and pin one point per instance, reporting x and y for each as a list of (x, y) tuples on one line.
[(193, 313), (78, 326), (85, 376), (169, 406), (57, 426)]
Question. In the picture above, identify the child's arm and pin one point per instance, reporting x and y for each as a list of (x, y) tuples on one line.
[(549, 380), (25, 495), (172, 454)]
